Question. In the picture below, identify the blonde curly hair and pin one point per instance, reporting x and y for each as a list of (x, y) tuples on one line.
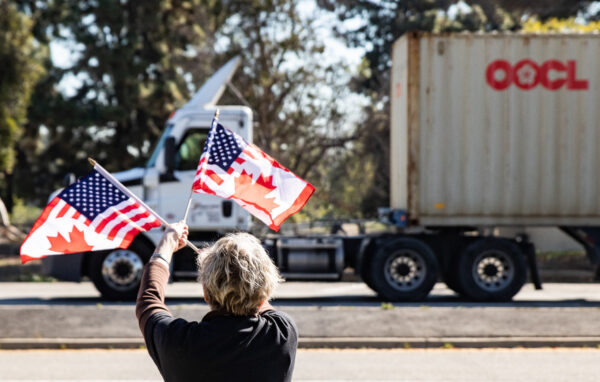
[(237, 274)]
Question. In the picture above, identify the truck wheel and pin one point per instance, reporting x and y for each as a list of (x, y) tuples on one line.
[(492, 270), (117, 273), (404, 270)]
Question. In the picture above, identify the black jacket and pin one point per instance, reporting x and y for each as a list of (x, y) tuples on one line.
[(223, 347)]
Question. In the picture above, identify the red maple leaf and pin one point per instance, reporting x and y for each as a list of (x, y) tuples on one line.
[(75, 244), (255, 193)]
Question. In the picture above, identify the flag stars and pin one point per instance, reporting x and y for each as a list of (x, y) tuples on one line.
[(223, 147), (93, 195)]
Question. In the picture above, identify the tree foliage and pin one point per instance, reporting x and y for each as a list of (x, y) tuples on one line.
[(554, 25), (288, 83), (134, 63), (20, 63), (21, 66)]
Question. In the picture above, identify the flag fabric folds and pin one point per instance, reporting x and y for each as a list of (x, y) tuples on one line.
[(91, 214), (234, 169)]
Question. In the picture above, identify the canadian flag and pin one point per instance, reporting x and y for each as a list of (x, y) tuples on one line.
[(91, 214), (233, 169)]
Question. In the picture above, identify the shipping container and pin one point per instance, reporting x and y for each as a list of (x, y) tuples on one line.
[(496, 129)]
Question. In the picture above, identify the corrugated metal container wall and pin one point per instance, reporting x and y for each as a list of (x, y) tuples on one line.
[(496, 129)]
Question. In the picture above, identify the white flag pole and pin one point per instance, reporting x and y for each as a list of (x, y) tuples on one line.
[(126, 191), (189, 203)]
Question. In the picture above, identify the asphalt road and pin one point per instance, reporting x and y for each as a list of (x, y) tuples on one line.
[(302, 293), (334, 315), (495, 365)]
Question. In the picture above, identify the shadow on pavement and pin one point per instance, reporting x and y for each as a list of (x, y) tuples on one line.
[(329, 301), (432, 301)]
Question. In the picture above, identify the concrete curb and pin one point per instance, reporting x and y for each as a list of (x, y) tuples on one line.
[(448, 342), (327, 342), (70, 343)]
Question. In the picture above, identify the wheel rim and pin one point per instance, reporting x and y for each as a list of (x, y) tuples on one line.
[(493, 270), (122, 269), (405, 270)]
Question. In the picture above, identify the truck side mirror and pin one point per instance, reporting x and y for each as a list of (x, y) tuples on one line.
[(170, 155), (226, 208), (69, 179)]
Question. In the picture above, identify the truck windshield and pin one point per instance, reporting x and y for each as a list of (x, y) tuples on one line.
[(159, 145)]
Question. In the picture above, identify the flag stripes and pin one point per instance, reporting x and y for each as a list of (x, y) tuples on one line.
[(123, 220), (91, 214)]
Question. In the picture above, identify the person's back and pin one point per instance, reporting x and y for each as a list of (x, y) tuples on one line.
[(242, 339)]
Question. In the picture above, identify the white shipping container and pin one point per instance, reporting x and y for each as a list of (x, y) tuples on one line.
[(496, 129)]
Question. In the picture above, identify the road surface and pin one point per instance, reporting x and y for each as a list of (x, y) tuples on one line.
[(301, 293), (330, 314), (544, 365)]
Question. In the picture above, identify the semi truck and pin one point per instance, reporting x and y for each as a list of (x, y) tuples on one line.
[(490, 133)]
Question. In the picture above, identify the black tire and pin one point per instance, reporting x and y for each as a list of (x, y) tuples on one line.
[(365, 272), (492, 270), (366, 278), (116, 273), (404, 269)]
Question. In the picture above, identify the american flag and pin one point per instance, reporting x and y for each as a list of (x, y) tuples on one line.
[(234, 169), (91, 214)]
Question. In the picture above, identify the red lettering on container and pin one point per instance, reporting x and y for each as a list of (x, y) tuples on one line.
[(572, 81), (490, 74), (527, 74), (544, 73)]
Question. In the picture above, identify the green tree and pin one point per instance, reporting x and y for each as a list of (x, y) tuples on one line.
[(134, 63), (21, 66)]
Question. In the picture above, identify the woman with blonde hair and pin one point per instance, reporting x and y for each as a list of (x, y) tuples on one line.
[(242, 338)]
